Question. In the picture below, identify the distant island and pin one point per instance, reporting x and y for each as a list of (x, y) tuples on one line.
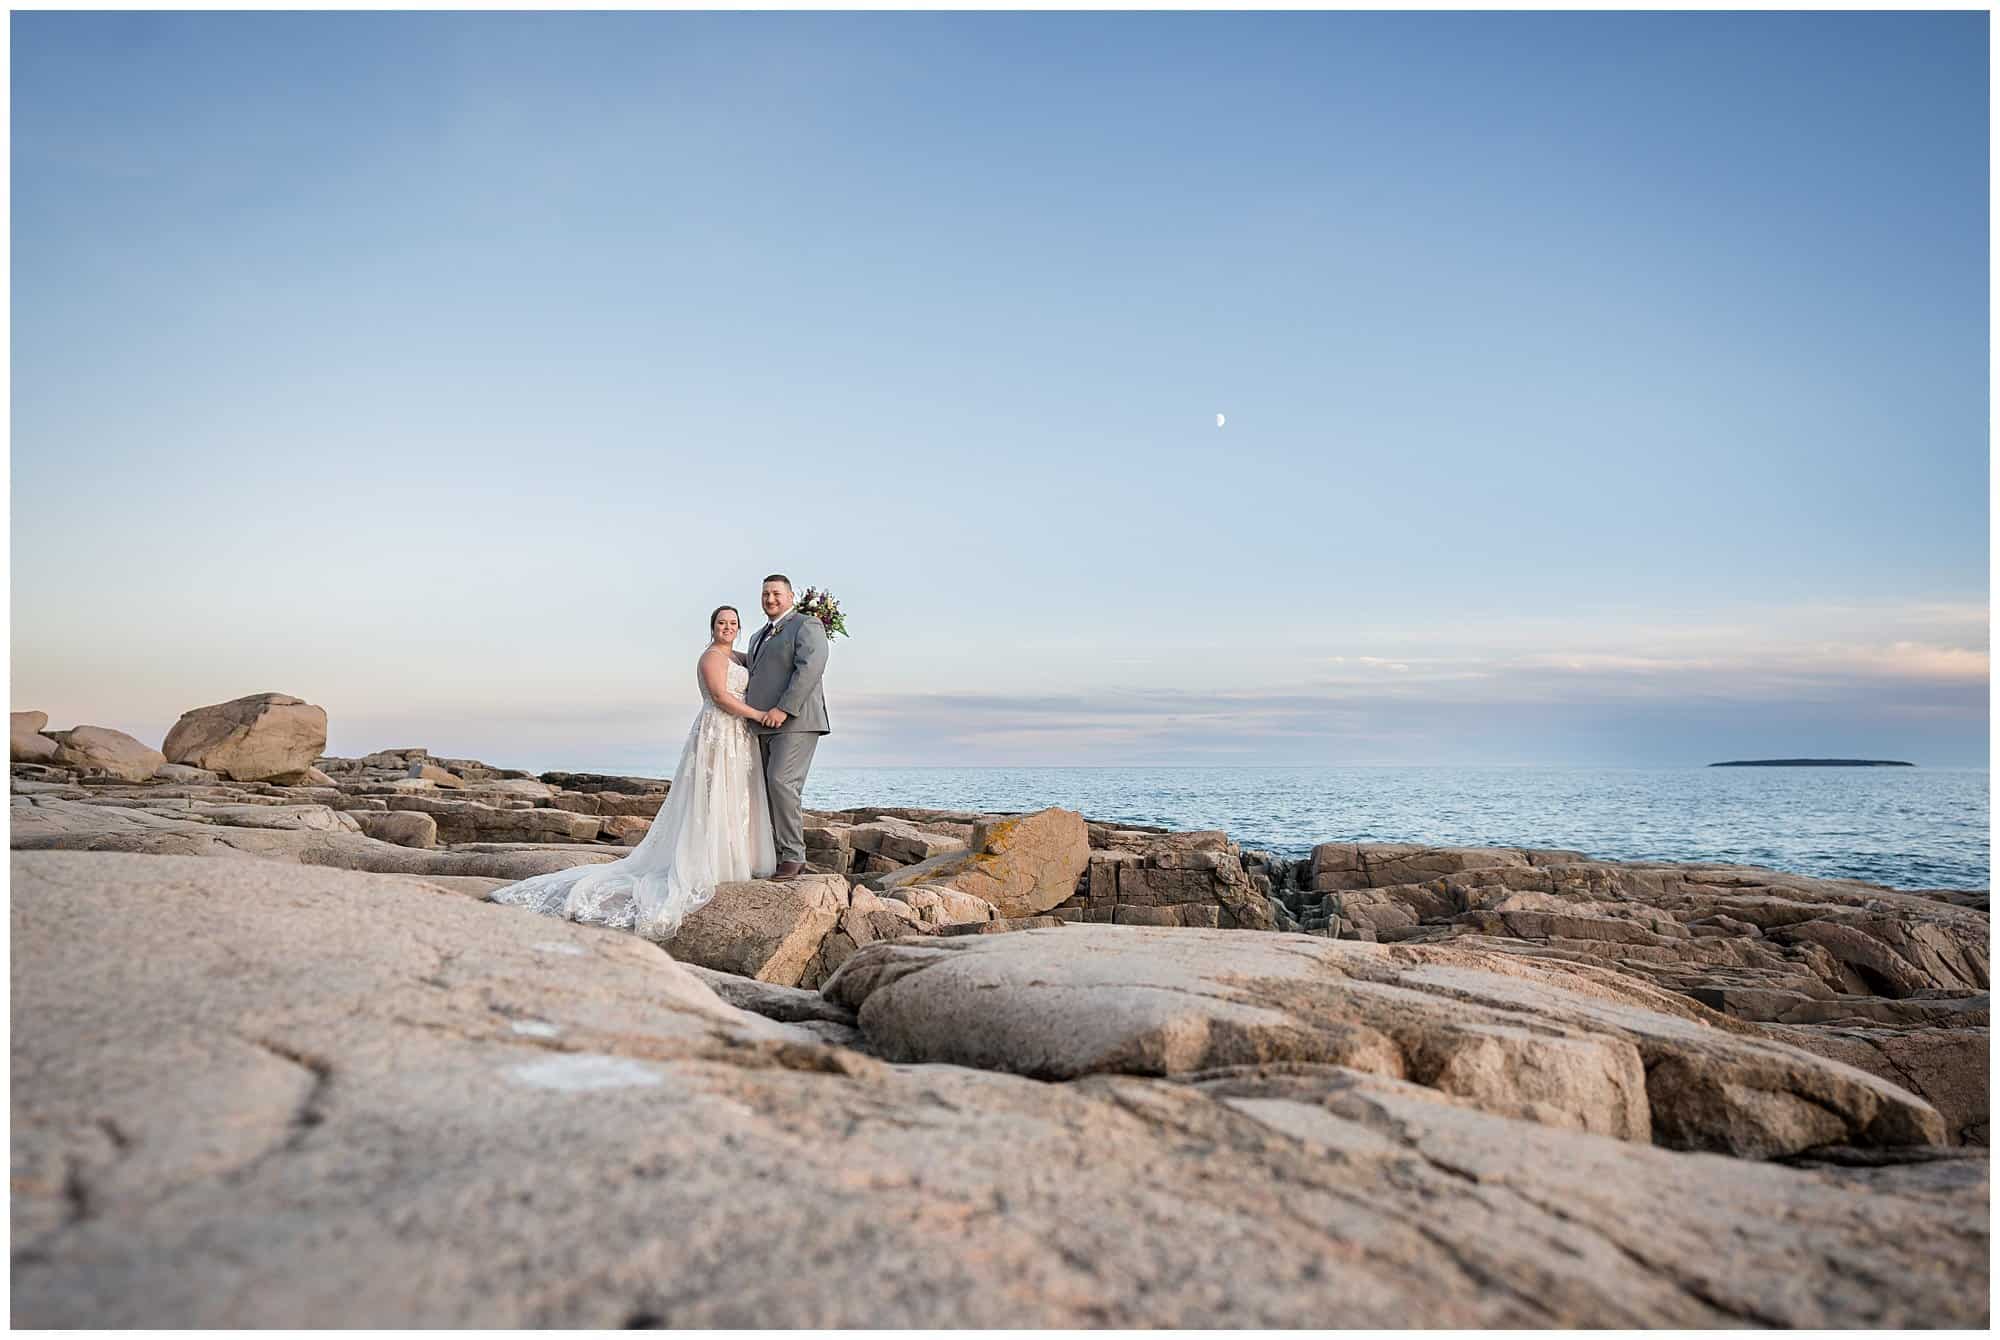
[(1813, 763)]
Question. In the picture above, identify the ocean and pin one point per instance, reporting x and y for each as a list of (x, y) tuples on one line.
[(1908, 828)]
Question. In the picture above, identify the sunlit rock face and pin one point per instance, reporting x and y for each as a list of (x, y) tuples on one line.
[(282, 1119), (270, 1043)]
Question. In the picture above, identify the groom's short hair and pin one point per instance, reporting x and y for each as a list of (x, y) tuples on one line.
[(780, 577)]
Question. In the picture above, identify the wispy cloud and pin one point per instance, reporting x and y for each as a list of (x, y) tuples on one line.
[(1572, 720), (1907, 680), (1735, 683)]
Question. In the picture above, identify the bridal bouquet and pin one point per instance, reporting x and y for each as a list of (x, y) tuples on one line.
[(822, 606)]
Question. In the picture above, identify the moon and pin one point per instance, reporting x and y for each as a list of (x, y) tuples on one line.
[(1218, 421)]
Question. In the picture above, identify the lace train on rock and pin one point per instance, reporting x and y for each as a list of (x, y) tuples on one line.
[(715, 826)]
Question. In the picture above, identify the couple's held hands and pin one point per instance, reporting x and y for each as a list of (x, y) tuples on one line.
[(774, 718)]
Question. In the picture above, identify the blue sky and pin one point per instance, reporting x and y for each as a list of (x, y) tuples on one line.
[(1600, 388)]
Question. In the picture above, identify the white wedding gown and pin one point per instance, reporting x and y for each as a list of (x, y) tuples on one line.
[(715, 826)]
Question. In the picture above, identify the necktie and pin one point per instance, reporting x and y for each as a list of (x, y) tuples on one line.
[(770, 628)]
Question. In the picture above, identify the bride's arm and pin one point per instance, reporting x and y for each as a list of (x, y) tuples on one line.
[(715, 675)]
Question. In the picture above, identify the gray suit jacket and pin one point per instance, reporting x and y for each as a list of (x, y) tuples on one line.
[(785, 671)]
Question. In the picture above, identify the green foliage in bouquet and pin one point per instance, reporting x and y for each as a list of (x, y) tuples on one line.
[(822, 606)]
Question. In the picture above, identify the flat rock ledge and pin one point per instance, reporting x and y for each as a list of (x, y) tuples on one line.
[(1892, 983), (278, 1062), (259, 1092), (1549, 1042)]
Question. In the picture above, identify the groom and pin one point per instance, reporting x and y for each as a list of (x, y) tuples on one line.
[(787, 659)]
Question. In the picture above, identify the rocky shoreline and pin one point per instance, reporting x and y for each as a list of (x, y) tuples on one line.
[(277, 1062)]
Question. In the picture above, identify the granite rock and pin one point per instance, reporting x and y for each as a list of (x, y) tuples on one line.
[(1023, 866), (467, 1105), (262, 737)]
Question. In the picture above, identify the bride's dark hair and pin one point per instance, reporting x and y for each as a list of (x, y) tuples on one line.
[(717, 614)]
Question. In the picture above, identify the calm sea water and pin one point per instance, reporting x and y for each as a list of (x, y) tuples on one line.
[(1909, 828)]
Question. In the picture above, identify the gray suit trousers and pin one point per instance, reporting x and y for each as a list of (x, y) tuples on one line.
[(787, 757)]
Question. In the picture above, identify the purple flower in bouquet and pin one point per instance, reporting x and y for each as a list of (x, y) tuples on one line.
[(822, 606)]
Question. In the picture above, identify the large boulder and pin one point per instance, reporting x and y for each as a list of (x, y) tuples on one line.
[(107, 752), (1543, 1042), (1893, 982), (1023, 866), (763, 928), (266, 737), (28, 744), (468, 1103)]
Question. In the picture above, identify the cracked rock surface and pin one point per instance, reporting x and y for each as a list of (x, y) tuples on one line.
[(257, 1093), (1553, 1043), (1895, 983)]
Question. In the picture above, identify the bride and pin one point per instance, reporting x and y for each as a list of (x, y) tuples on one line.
[(715, 825)]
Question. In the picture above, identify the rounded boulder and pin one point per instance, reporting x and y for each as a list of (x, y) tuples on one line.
[(266, 737)]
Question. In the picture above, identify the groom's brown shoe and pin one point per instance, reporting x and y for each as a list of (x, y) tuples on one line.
[(788, 870)]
